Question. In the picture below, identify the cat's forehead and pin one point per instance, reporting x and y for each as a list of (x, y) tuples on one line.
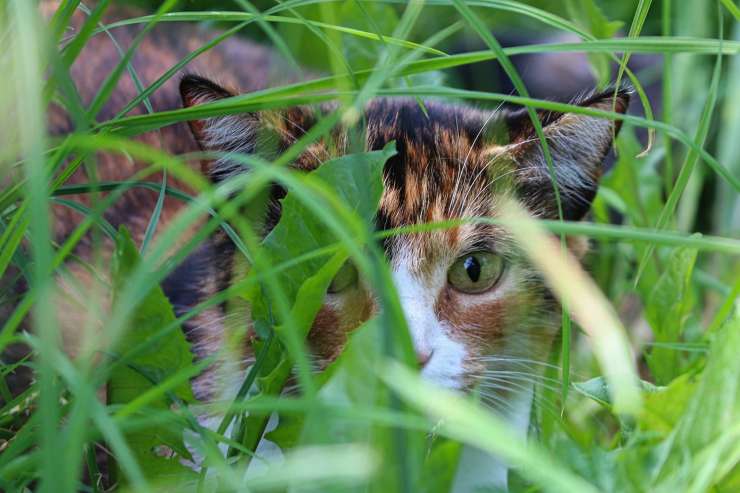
[(444, 128), (444, 168)]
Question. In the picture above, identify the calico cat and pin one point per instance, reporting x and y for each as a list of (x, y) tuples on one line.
[(476, 311)]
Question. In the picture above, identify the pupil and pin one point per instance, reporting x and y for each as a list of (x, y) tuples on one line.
[(472, 267)]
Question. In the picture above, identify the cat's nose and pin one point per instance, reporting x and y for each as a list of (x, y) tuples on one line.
[(423, 357)]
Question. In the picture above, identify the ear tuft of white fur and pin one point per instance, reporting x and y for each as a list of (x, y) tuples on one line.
[(226, 135)]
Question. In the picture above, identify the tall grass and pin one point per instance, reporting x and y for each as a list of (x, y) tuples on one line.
[(642, 396)]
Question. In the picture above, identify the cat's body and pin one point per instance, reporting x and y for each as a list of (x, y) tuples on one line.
[(478, 314), (240, 65)]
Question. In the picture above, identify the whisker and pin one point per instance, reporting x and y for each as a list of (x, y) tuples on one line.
[(536, 398), (507, 373), (496, 402), (512, 380), (510, 359)]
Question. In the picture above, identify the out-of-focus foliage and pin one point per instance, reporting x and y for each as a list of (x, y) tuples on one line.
[(366, 424)]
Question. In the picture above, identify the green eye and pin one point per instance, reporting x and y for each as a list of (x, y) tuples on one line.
[(345, 278), (475, 272)]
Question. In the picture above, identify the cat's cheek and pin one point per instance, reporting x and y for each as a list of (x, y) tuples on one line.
[(338, 317), (482, 323), (326, 337), (457, 345), (476, 323)]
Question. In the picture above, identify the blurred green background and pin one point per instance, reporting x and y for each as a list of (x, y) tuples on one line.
[(686, 436)]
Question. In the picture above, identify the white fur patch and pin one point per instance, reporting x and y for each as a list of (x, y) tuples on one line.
[(233, 134), (481, 471), (267, 452), (418, 293), (446, 366), (428, 334)]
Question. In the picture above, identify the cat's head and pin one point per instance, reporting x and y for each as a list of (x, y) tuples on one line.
[(472, 302)]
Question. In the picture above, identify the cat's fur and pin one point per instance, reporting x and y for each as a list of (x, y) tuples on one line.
[(455, 161)]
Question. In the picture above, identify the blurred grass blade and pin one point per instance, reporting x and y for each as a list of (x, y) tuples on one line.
[(12, 237), (641, 12), (28, 76), (727, 209), (692, 158), (626, 233), (729, 246), (732, 8), (587, 304), (344, 466), (464, 421), (244, 16), (151, 228), (111, 81)]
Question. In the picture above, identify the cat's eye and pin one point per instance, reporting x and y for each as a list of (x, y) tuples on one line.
[(345, 278), (475, 272)]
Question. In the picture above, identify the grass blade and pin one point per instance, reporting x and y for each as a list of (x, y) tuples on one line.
[(470, 424), (588, 306), (692, 158), (28, 76)]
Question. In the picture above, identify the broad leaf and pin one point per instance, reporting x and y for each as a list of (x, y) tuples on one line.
[(440, 466), (663, 409), (597, 389), (708, 432), (667, 308), (161, 359), (356, 180), (588, 14)]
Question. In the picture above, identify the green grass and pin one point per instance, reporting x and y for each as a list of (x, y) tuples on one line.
[(641, 394)]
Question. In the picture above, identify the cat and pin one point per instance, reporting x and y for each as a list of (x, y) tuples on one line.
[(476, 311), (479, 315)]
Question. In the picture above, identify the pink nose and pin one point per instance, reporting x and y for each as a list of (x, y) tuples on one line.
[(423, 357)]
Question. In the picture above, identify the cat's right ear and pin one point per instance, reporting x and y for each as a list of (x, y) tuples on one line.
[(223, 134), (578, 144)]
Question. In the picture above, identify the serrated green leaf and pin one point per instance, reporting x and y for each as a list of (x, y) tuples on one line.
[(340, 384), (700, 439), (350, 379), (162, 359), (356, 179), (351, 383), (597, 389), (663, 409), (667, 307)]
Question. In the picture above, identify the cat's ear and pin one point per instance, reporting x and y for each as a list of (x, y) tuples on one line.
[(226, 134), (578, 144)]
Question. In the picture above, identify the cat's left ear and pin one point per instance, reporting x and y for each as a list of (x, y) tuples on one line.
[(263, 133), (229, 133), (578, 144)]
